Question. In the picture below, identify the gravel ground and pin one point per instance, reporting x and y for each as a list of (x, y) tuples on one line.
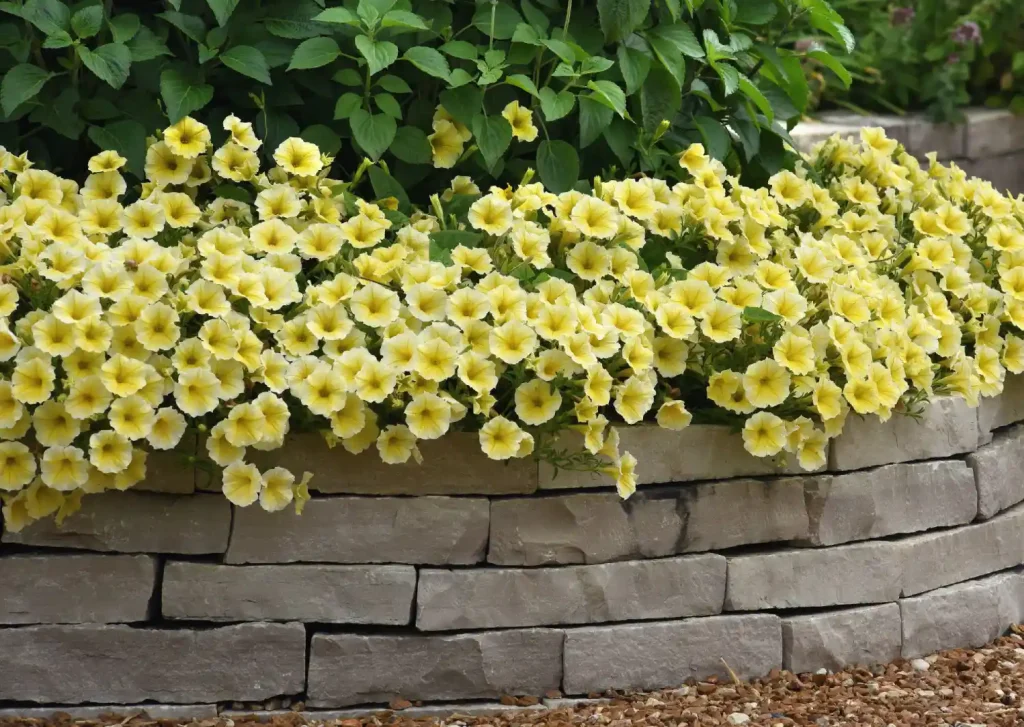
[(962, 687)]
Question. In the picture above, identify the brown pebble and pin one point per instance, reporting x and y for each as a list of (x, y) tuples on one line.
[(706, 688), (398, 703), (508, 700)]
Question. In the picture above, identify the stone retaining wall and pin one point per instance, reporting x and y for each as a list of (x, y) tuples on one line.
[(989, 144), (506, 580)]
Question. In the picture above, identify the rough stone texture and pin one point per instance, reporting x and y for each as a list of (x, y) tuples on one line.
[(361, 594), (509, 597), (847, 125), (665, 654), (178, 712), (999, 472), (1005, 409), (75, 588), (950, 556), (948, 141), (595, 528), (947, 427), (1003, 171), (899, 498), (993, 132), (701, 452), (452, 465), (844, 574), (124, 665), (346, 669), (967, 614), (137, 522), (835, 639), (433, 530), (167, 472)]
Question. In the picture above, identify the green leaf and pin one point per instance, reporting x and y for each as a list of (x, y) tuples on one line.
[(681, 37), (595, 64), (555, 106), (563, 50), (341, 16), (145, 46), (326, 139), (87, 22), (21, 84), (534, 16), (660, 98), (619, 18), (524, 82), (206, 53), (127, 138), (796, 81), (191, 25), (182, 95), (620, 136), (109, 62), (670, 58), (411, 145), (222, 10), (379, 54), (384, 185), (349, 77), (394, 84), (459, 77), (248, 61), (463, 103), (729, 75), (59, 39), (124, 27), (754, 314), (387, 103), (833, 64), (314, 53), (558, 165), (429, 61), (635, 65), (610, 95), (526, 34), (451, 239), (594, 119), (373, 132), (755, 12), (47, 15), (403, 19), (506, 18), (716, 138), (827, 20), (460, 49), (754, 94), (347, 104), (60, 114), (492, 134)]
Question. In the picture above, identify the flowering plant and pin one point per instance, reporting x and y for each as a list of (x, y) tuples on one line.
[(860, 281)]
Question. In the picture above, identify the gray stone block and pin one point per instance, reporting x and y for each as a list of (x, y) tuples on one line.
[(595, 528), (699, 452), (124, 665), (137, 522), (948, 426), (452, 465), (169, 473), (1007, 408), (40, 589), (1003, 171), (848, 125), (432, 530), (948, 141), (899, 498), (626, 591), (999, 472), (665, 654), (964, 615), (431, 711), (993, 132), (835, 639), (347, 669), (360, 594), (944, 557), (836, 576), (177, 712)]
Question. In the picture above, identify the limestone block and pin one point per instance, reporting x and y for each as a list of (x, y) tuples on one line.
[(667, 653), (1000, 411), (898, 498), (137, 522), (346, 669), (999, 472), (434, 530), (124, 665), (948, 426), (167, 472), (843, 574), (993, 132), (626, 591), (948, 141), (1004, 171), (43, 589), (361, 594), (835, 639)]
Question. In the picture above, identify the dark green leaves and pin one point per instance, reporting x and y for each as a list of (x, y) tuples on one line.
[(558, 165), (753, 314), (635, 65), (411, 145), (49, 16), (21, 84), (619, 18), (492, 134), (248, 61), (379, 54), (87, 22), (109, 62), (594, 119), (222, 9), (429, 61), (373, 132), (554, 105), (183, 95), (314, 53), (128, 138)]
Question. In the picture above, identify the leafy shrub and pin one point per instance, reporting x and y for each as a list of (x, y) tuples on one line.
[(571, 89), (861, 282), (936, 56)]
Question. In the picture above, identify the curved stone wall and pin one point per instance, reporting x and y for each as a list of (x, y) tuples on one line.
[(468, 579)]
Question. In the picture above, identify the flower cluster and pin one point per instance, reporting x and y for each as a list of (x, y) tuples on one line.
[(235, 305)]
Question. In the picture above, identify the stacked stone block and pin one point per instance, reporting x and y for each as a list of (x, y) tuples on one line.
[(479, 579)]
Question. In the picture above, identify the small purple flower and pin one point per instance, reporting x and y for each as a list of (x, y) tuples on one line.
[(952, 59), (901, 16), (967, 34)]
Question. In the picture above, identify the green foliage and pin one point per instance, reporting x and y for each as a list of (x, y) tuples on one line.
[(936, 56), (603, 86)]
